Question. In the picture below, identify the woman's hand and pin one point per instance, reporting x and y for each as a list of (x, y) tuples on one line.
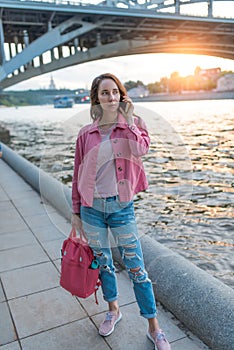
[(126, 108), (76, 222)]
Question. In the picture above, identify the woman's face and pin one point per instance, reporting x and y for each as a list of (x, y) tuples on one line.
[(108, 95)]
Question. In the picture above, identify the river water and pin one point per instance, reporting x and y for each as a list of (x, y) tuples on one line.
[(189, 204)]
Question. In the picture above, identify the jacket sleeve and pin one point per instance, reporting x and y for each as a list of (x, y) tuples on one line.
[(139, 140), (76, 198)]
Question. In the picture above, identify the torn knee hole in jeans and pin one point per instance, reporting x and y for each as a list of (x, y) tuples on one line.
[(135, 269), (128, 238), (96, 247), (102, 258), (130, 255), (106, 268), (95, 244), (130, 246), (139, 275), (98, 253)]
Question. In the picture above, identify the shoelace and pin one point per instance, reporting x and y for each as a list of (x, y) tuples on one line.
[(109, 316), (160, 336)]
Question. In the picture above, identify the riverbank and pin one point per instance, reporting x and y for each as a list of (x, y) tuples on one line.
[(161, 97), (187, 96)]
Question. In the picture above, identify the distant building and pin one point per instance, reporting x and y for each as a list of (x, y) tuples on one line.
[(139, 91), (52, 85), (211, 73), (226, 83)]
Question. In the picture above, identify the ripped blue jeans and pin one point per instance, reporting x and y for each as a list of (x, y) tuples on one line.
[(118, 217)]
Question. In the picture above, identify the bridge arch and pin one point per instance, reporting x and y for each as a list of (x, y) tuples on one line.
[(40, 37)]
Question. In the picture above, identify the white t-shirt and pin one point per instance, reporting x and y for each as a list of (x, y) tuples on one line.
[(106, 181)]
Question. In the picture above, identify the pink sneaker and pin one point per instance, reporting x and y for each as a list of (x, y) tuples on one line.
[(159, 340), (108, 325)]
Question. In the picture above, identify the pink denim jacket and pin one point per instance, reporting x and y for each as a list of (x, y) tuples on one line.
[(129, 142)]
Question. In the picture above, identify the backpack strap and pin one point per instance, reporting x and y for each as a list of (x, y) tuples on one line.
[(96, 290), (82, 235), (72, 233)]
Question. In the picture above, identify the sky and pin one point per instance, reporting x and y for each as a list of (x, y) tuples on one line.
[(147, 68)]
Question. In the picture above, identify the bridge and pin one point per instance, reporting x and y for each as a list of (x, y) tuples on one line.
[(41, 36)]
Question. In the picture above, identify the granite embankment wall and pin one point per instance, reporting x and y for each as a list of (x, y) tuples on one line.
[(191, 96), (201, 302)]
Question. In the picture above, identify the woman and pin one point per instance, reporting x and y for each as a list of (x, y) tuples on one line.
[(108, 172)]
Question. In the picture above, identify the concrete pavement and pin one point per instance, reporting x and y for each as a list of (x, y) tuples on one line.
[(35, 312)]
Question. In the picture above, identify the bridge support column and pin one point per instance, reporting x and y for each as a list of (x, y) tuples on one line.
[(10, 50), (76, 45), (52, 55), (2, 51), (98, 39), (41, 60), (60, 51)]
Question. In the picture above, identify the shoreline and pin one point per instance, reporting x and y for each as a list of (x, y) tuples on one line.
[(191, 96), (165, 97)]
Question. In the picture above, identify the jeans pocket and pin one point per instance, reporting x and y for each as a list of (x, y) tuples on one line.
[(127, 204)]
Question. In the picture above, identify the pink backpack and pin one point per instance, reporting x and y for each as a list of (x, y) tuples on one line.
[(79, 269)]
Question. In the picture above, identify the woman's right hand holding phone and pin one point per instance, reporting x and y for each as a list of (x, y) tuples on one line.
[(126, 108)]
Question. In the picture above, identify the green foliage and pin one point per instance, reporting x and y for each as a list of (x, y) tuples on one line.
[(133, 84), (30, 97), (5, 102), (154, 88)]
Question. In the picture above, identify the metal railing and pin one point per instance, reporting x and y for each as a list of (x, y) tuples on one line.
[(185, 7)]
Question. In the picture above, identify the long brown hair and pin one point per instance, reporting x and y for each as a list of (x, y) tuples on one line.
[(96, 109)]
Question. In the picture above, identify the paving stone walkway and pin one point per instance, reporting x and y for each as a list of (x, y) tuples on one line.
[(35, 312)]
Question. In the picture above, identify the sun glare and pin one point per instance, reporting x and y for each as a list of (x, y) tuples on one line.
[(184, 64)]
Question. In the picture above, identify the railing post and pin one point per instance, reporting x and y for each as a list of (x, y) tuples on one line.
[(177, 6), (210, 8), (76, 44)]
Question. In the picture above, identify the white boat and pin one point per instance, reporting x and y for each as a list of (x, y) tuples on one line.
[(63, 102)]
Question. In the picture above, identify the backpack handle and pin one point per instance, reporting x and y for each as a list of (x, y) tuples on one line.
[(82, 235)]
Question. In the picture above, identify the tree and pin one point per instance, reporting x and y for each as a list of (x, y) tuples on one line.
[(197, 70), (133, 84), (175, 82), (175, 75), (154, 88), (164, 82)]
